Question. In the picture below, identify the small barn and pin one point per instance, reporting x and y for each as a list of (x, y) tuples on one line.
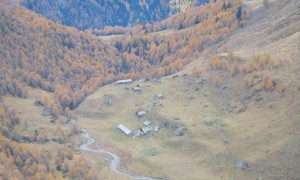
[(140, 113), (147, 123), (125, 81), (125, 130), (146, 130), (136, 88)]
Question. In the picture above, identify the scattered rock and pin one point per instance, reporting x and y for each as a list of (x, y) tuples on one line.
[(160, 96), (38, 102), (59, 140), (191, 97), (248, 97), (258, 98), (208, 123), (258, 79), (175, 76), (241, 164), (224, 108), (243, 109), (180, 131), (226, 142), (200, 81), (155, 80), (126, 88), (47, 112), (176, 118), (108, 101), (53, 121), (150, 152), (165, 124), (26, 139), (185, 75), (268, 150), (224, 87)]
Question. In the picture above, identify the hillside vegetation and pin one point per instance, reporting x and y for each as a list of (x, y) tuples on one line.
[(72, 64), (69, 65), (100, 13), (239, 107), (235, 91)]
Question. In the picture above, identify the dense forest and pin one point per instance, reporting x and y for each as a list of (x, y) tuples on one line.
[(100, 13), (43, 54), (19, 161)]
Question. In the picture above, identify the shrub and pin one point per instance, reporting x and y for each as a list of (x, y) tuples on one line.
[(196, 71), (234, 70), (269, 85), (231, 55), (215, 62), (280, 87), (217, 81)]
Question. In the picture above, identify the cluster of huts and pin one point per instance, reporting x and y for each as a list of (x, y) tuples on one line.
[(146, 129), (147, 126)]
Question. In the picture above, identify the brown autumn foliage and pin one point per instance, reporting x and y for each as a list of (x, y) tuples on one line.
[(217, 81), (42, 54), (215, 62), (19, 162), (196, 71), (231, 55), (269, 85)]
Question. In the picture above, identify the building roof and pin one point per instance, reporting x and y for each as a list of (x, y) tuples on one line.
[(141, 113), (147, 123), (146, 130), (125, 81), (124, 129), (136, 88)]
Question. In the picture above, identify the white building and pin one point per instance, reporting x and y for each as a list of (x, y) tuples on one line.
[(147, 123), (125, 81), (141, 113), (125, 130), (136, 88)]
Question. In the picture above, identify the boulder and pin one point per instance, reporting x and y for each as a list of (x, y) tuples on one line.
[(108, 101), (224, 87), (47, 112), (180, 131), (200, 81), (243, 109), (241, 164)]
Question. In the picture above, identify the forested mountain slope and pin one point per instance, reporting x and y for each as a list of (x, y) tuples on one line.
[(100, 13), (47, 55)]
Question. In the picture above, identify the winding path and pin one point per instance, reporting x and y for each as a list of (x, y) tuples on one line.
[(115, 161)]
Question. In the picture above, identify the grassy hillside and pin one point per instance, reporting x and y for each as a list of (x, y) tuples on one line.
[(242, 119)]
